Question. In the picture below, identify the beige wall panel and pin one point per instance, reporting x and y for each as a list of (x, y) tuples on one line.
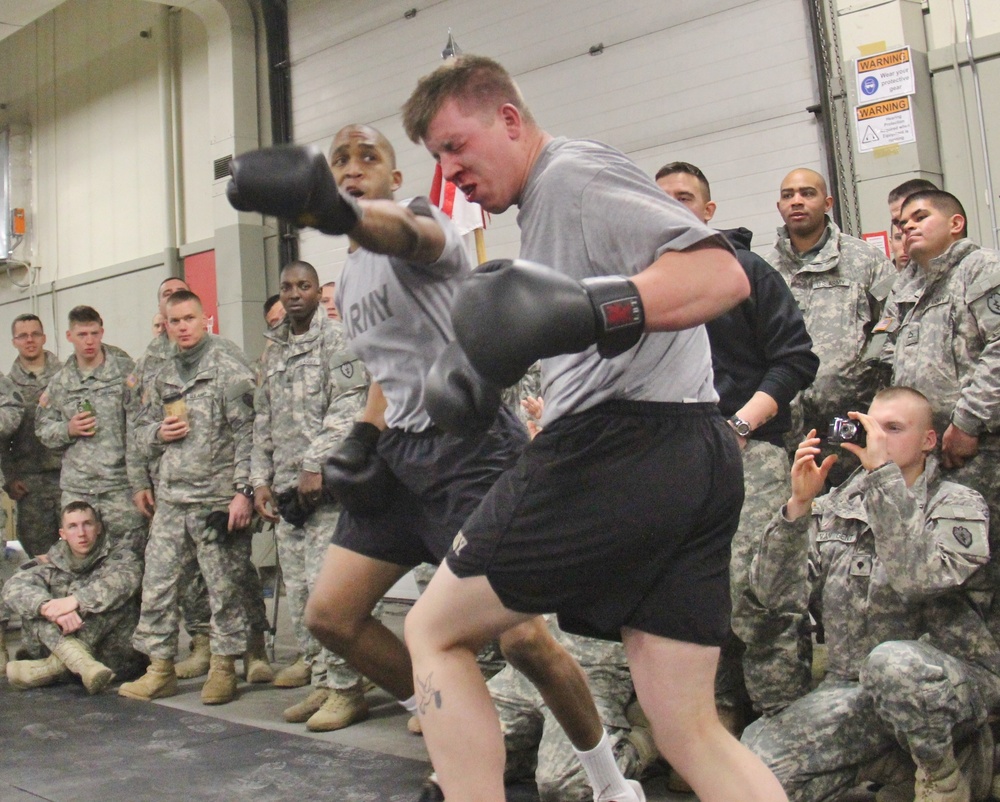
[(724, 84)]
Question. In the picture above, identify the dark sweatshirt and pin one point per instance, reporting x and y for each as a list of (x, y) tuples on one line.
[(762, 344)]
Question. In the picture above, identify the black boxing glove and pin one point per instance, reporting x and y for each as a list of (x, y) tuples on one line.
[(508, 314), (457, 398), (293, 183), (355, 475)]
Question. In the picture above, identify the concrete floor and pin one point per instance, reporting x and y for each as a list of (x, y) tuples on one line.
[(260, 706)]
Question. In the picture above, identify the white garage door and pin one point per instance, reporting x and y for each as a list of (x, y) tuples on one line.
[(720, 83)]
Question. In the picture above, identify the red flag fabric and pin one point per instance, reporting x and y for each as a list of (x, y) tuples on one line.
[(447, 197)]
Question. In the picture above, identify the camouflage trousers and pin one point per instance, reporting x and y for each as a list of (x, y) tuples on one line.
[(197, 612), (300, 554), (908, 693), (118, 513), (767, 657), (38, 512), (108, 635), (538, 748), (178, 538)]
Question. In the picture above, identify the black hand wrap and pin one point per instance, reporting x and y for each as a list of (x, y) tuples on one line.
[(355, 475), (618, 313), (293, 183)]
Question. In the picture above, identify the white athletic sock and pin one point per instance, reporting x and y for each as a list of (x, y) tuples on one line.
[(410, 704), (602, 771)]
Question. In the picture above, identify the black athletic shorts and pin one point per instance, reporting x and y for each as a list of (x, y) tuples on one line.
[(442, 479), (621, 515)]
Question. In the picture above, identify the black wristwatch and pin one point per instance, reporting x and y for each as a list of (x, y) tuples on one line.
[(742, 428), (245, 490)]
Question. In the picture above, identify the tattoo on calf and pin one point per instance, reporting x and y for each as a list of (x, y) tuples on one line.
[(427, 693)]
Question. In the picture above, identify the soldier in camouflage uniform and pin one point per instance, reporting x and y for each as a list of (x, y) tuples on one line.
[(11, 412), (537, 748), (142, 466), (891, 556), (82, 602), (199, 418), (311, 390), (82, 414), (840, 283), (942, 331), (31, 470)]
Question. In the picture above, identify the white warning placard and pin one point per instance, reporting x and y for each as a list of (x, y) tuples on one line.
[(887, 123), (883, 76)]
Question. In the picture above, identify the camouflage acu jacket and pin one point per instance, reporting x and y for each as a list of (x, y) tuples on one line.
[(206, 466), (312, 388), (885, 562), (109, 577), (89, 464), (841, 292), (944, 336)]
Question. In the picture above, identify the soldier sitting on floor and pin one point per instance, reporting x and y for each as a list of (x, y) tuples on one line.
[(82, 602)]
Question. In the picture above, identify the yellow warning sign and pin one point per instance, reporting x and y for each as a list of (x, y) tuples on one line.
[(892, 58), (886, 123), (883, 109)]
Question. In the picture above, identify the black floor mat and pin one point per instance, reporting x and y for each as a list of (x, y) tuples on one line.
[(61, 745)]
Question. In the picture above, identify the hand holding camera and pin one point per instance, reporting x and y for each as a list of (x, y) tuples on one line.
[(808, 476), (863, 436)]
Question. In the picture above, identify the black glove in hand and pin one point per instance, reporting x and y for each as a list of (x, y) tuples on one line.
[(217, 524), (293, 183), (292, 508)]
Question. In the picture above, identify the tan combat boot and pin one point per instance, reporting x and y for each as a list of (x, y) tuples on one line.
[(220, 687), (941, 783), (641, 737), (158, 682), (342, 708), (78, 658), (195, 664), (24, 674), (296, 675), (302, 711), (255, 661)]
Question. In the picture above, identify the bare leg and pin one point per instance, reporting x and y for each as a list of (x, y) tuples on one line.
[(338, 614), (675, 683), (445, 628), (532, 650)]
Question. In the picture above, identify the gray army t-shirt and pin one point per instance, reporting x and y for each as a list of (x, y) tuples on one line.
[(588, 210), (397, 317)]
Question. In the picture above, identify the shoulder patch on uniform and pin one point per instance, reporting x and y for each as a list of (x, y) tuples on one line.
[(347, 369), (43, 400), (131, 381), (993, 302), (962, 535)]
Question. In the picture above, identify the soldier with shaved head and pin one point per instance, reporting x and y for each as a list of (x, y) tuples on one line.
[(841, 284)]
